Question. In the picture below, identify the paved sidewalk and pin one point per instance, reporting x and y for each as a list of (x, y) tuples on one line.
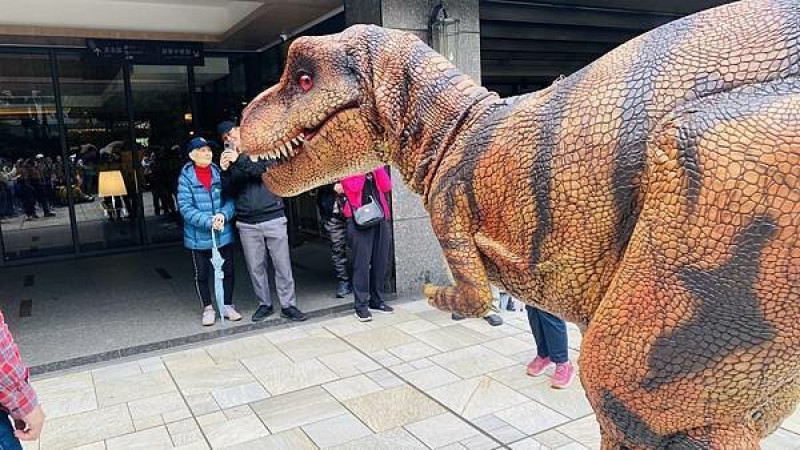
[(414, 379)]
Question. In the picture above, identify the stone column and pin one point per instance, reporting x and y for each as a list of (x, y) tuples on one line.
[(417, 255)]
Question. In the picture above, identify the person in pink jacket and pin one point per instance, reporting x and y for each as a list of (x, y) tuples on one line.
[(370, 246)]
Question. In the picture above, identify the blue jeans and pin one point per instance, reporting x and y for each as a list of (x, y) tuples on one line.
[(7, 439), (550, 334)]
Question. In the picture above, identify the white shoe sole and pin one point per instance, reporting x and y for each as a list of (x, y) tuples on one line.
[(363, 319)]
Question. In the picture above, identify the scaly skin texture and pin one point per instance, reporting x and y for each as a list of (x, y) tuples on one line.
[(651, 197)]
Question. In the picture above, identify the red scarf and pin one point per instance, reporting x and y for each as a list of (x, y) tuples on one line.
[(204, 176)]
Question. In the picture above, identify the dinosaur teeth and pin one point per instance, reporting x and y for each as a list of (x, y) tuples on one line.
[(254, 158), (288, 147), (295, 141), (301, 138)]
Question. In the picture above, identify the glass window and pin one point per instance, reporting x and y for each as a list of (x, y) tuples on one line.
[(100, 157), (220, 91), (162, 124), (33, 219)]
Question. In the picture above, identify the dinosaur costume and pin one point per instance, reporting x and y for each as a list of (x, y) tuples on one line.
[(651, 197)]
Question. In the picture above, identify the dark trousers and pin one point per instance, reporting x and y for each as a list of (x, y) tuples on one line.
[(370, 259), (28, 196), (336, 226), (550, 334), (204, 274), (40, 192), (7, 439)]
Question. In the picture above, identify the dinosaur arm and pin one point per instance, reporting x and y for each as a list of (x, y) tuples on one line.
[(470, 295)]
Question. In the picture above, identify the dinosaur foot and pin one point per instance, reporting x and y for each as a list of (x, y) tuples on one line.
[(452, 299)]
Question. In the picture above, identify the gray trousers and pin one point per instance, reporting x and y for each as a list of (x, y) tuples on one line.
[(261, 243)]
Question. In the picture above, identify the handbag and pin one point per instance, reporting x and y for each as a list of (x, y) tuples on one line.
[(369, 213)]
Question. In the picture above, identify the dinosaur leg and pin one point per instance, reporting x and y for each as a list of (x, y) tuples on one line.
[(470, 295), (695, 342), (607, 442), (723, 437), (779, 406)]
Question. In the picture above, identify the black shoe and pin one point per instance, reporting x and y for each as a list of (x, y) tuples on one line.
[(262, 313), (457, 316), (293, 314), (49, 214), (363, 315), (494, 320), (344, 289), (382, 308)]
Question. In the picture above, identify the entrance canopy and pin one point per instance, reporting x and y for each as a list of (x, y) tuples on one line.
[(220, 24)]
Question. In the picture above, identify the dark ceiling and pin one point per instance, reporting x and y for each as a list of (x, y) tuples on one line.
[(526, 44)]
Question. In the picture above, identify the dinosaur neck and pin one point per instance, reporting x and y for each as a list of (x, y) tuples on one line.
[(422, 117)]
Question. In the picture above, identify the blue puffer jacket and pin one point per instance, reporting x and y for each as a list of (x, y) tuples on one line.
[(198, 207)]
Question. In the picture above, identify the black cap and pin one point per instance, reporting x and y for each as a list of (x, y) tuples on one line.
[(225, 127)]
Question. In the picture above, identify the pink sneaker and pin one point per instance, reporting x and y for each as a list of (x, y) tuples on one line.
[(538, 366), (563, 376)]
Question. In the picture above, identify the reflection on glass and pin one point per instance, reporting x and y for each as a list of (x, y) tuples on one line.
[(220, 88), (163, 120), (32, 221), (95, 119)]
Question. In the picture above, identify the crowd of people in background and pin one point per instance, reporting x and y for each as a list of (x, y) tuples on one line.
[(26, 183), (34, 186)]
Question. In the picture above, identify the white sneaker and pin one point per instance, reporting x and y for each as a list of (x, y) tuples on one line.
[(231, 314), (209, 317)]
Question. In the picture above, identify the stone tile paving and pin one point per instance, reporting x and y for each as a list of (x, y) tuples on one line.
[(412, 380)]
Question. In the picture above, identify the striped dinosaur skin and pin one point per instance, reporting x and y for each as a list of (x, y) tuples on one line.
[(651, 197)]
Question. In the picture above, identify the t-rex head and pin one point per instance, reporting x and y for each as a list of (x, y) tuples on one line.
[(318, 122), (351, 101)]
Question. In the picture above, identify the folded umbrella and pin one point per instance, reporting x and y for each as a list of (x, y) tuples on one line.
[(217, 261)]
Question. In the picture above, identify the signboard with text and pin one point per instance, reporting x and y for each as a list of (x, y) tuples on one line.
[(147, 52)]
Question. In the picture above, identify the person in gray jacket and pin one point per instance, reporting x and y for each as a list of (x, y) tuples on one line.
[(262, 226)]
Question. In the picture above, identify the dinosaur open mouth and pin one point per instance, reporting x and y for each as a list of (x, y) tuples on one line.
[(292, 144)]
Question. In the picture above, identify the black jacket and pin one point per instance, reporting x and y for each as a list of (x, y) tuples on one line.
[(254, 202), (326, 197)]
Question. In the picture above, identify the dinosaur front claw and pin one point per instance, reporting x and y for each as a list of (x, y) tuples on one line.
[(449, 298)]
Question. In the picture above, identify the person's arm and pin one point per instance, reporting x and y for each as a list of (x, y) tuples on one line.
[(382, 180), (16, 394), (353, 185), (229, 186), (188, 210), (228, 208), (245, 169)]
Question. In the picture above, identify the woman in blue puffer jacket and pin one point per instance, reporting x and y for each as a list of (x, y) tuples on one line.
[(203, 207)]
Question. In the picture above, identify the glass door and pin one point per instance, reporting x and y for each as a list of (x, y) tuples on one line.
[(34, 221), (100, 159), (162, 125)]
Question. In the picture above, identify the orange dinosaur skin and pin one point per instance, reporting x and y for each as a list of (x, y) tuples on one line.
[(651, 197)]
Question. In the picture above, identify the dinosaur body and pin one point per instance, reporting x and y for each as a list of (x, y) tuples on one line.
[(651, 197)]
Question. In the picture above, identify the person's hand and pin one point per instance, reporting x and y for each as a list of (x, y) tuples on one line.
[(30, 427), (227, 158), (218, 222), (338, 188)]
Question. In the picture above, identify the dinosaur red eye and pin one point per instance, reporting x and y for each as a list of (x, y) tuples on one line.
[(305, 82)]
